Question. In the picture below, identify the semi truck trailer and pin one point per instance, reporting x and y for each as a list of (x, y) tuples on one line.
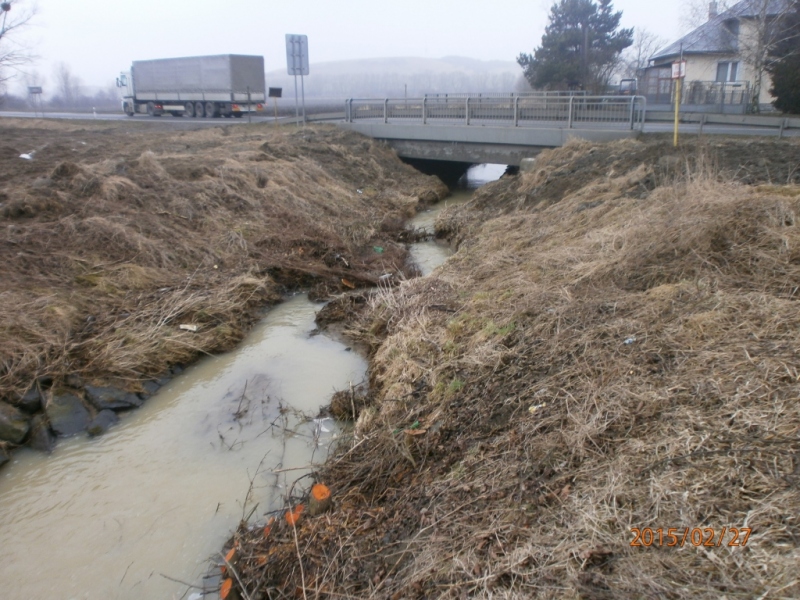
[(228, 85)]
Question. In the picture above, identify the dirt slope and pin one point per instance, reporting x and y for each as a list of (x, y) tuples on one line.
[(115, 235), (614, 346)]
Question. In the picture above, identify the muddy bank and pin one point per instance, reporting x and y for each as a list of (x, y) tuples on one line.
[(613, 347), (127, 250)]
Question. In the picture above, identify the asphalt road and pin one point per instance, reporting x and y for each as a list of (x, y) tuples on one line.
[(166, 119)]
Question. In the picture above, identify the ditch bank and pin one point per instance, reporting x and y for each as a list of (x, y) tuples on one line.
[(129, 251), (612, 348)]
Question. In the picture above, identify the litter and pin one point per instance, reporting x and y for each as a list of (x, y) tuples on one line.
[(186, 327), (536, 407)]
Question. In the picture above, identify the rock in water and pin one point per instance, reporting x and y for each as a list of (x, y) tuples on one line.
[(67, 414), (101, 423), (109, 398), (14, 424), (42, 437)]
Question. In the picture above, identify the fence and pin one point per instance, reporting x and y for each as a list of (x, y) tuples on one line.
[(712, 94), (504, 110)]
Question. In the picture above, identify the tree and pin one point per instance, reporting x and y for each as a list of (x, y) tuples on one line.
[(13, 17), (581, 47), (785, 64), (636, 58), (696, 12), (67, 85)]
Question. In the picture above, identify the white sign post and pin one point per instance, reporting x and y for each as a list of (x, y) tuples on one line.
[(297, 64)]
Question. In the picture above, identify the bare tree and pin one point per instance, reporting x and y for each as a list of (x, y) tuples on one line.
[(14, 16), (636, 58), (696, 12), (757, 41), (68, 85)]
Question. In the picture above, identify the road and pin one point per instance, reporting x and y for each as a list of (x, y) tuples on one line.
[(167, 119)]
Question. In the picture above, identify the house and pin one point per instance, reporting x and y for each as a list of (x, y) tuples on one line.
[(719, 59)]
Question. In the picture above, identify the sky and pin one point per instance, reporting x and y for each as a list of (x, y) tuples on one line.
[(100, 38)]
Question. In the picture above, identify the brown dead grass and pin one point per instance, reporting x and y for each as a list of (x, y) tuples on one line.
[(115, 235), (620, 354)]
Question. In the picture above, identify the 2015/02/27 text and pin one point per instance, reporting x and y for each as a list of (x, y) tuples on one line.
[(697, 536)]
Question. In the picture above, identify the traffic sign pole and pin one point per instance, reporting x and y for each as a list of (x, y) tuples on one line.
[(678, 73)]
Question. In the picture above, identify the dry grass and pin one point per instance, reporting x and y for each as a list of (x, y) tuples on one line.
[(622, 354), (115, 235)]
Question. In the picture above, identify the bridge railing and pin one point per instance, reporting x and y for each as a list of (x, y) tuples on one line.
[(510, 110)]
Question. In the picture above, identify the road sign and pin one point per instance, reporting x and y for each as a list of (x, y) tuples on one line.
[(34, 89), (679, 69), (297, 54), (275, 92)]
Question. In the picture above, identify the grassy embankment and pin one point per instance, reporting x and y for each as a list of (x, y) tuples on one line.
[(115, 235), (614, 346)]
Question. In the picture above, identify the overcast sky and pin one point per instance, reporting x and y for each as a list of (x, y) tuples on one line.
[(100, 38)]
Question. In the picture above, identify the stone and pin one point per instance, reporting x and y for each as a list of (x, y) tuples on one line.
[(41, 437), (527, 164), (14, 424), (110, 398), (67, 414), (150, 388), (101, 423), (31, 401), (4, 456)]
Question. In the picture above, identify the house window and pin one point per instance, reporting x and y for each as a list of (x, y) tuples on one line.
[(727, 71)]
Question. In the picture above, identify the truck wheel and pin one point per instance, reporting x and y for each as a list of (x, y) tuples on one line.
[(189, 109), (211, 109), (129, 110), (151, 109), (199, 112), (238, 115)]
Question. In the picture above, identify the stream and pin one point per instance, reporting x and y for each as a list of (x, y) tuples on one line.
[(136, 512)]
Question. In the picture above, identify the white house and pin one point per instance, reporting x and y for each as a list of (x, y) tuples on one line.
[(720, 56)]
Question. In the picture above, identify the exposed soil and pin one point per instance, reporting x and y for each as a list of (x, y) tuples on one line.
[(614, 346), (115, 235)]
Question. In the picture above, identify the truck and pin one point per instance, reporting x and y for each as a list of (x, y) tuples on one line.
[(227, 85)]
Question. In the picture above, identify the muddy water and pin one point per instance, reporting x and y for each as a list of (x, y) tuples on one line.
[(124, 515), (430, 254), (159, 494)]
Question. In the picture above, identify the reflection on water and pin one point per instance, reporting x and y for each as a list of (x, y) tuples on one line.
[(430, 254), (159, 494)]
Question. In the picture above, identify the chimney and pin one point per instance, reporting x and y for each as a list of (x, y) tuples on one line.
[(712, 10)]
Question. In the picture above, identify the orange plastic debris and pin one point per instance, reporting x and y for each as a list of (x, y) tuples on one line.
[(320, 492), (225, 589), (293, 516)]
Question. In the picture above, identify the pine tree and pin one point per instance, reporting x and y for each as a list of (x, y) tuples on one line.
[(580, 48)]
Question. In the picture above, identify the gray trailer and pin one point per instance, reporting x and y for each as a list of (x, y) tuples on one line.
[(228, 85)]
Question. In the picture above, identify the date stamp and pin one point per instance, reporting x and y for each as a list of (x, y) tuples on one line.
[(696, 536)]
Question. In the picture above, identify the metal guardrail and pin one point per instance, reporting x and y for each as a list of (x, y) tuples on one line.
[(510, 111)]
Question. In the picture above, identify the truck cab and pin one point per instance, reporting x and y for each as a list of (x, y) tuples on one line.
[(125, 84)]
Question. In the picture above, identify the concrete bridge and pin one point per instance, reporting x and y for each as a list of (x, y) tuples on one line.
[(467, 129)]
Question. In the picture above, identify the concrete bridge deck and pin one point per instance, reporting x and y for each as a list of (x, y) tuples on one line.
[(494, 129)]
